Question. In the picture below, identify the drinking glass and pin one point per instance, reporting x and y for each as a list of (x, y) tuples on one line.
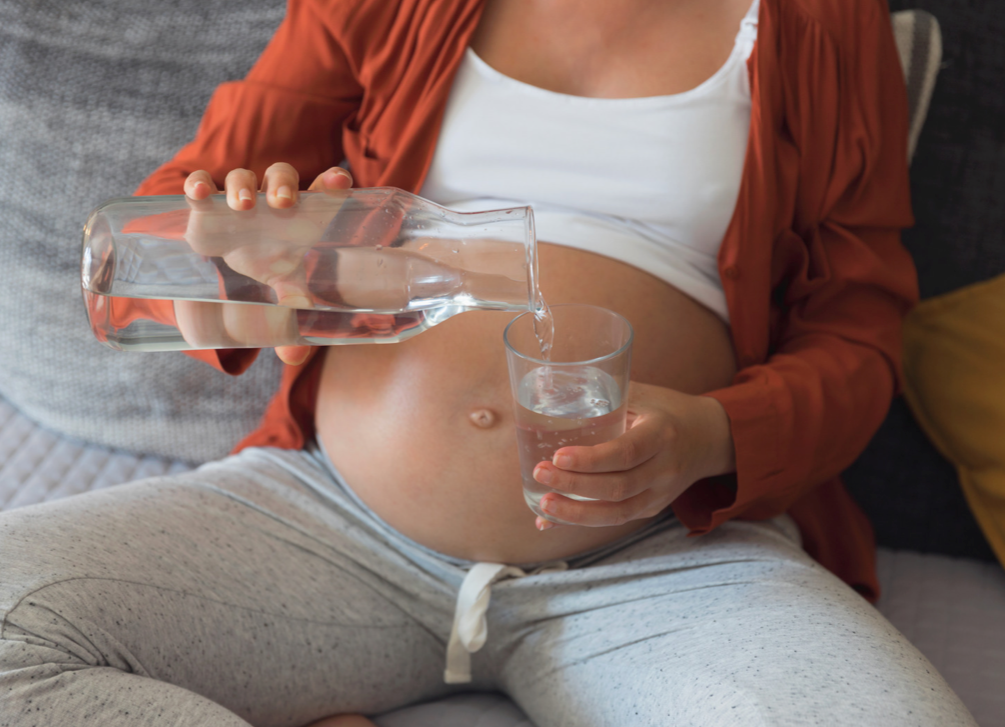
[(574, 396)]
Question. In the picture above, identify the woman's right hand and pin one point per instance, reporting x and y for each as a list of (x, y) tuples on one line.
[(279, 268)]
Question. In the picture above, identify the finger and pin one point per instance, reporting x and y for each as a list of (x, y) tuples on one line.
[(199, 185), (209, 325), (292, 292), (293, 355), (637, 445), (608, 486), (260, 326), (277, 264), (240, 185), (541, 524), (333, 180), (281, 184), (597, 514), (201, 324)]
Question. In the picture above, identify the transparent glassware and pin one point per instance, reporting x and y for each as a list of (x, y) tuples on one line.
[(576, 396), (375, 265)]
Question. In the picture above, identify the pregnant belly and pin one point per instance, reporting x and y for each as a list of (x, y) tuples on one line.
[(423, 430)]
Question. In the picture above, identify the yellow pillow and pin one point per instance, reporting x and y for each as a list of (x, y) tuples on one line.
[(954, 367)]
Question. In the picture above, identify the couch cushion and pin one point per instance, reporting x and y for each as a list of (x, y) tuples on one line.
[(94, 95), (954, 349), (907, 488), (951, 609), (956, 180)]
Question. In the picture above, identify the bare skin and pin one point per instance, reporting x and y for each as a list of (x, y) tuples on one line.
[(423, 430), (423, 399)]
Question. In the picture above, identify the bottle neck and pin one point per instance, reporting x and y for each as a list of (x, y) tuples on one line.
[(496, 252)]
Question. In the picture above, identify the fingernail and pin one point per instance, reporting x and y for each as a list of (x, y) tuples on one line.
[(547, 505), (244, 195), (295, 360), (284, 193), (543, 524), (544, 475), (200, 188), (332, 176), (562, 461)]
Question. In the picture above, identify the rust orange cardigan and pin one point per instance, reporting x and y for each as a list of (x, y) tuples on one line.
[(815, 276)]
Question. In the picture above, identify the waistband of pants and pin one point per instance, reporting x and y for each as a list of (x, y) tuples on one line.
[(473, 579), (469, 630), (315, 450)]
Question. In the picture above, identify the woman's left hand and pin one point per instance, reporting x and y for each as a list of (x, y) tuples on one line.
[(672, 440)]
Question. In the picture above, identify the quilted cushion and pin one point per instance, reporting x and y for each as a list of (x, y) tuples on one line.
[(94, 95)]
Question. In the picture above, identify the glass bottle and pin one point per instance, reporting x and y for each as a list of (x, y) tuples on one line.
[(375, 265)]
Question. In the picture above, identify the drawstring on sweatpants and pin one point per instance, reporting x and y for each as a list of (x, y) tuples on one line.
[(470, 629)]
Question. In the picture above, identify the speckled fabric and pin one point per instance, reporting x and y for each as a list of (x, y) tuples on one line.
[(258, 591)]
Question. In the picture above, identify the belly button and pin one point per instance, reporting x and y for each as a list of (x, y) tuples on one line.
[(483, 418)]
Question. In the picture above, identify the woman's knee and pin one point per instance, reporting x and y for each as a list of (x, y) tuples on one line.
[(58, 588)]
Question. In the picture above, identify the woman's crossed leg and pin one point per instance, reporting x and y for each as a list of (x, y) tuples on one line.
[(224, 597)]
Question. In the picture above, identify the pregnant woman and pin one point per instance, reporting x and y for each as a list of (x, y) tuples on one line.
[(731, 178)]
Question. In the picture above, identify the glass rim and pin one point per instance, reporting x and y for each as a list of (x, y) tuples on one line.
[(607, 356)]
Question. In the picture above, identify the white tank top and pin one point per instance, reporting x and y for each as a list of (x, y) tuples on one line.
[(650, 181)]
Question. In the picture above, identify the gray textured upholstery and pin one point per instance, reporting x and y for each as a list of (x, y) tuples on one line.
[(93, 97)]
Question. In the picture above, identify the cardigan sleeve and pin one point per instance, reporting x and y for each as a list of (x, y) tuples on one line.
[(291, 107), (841, 282)]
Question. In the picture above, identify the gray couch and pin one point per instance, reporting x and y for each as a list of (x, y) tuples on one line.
[(95, 93)]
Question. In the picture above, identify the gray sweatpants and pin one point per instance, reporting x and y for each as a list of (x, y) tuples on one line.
[(260, 591)]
